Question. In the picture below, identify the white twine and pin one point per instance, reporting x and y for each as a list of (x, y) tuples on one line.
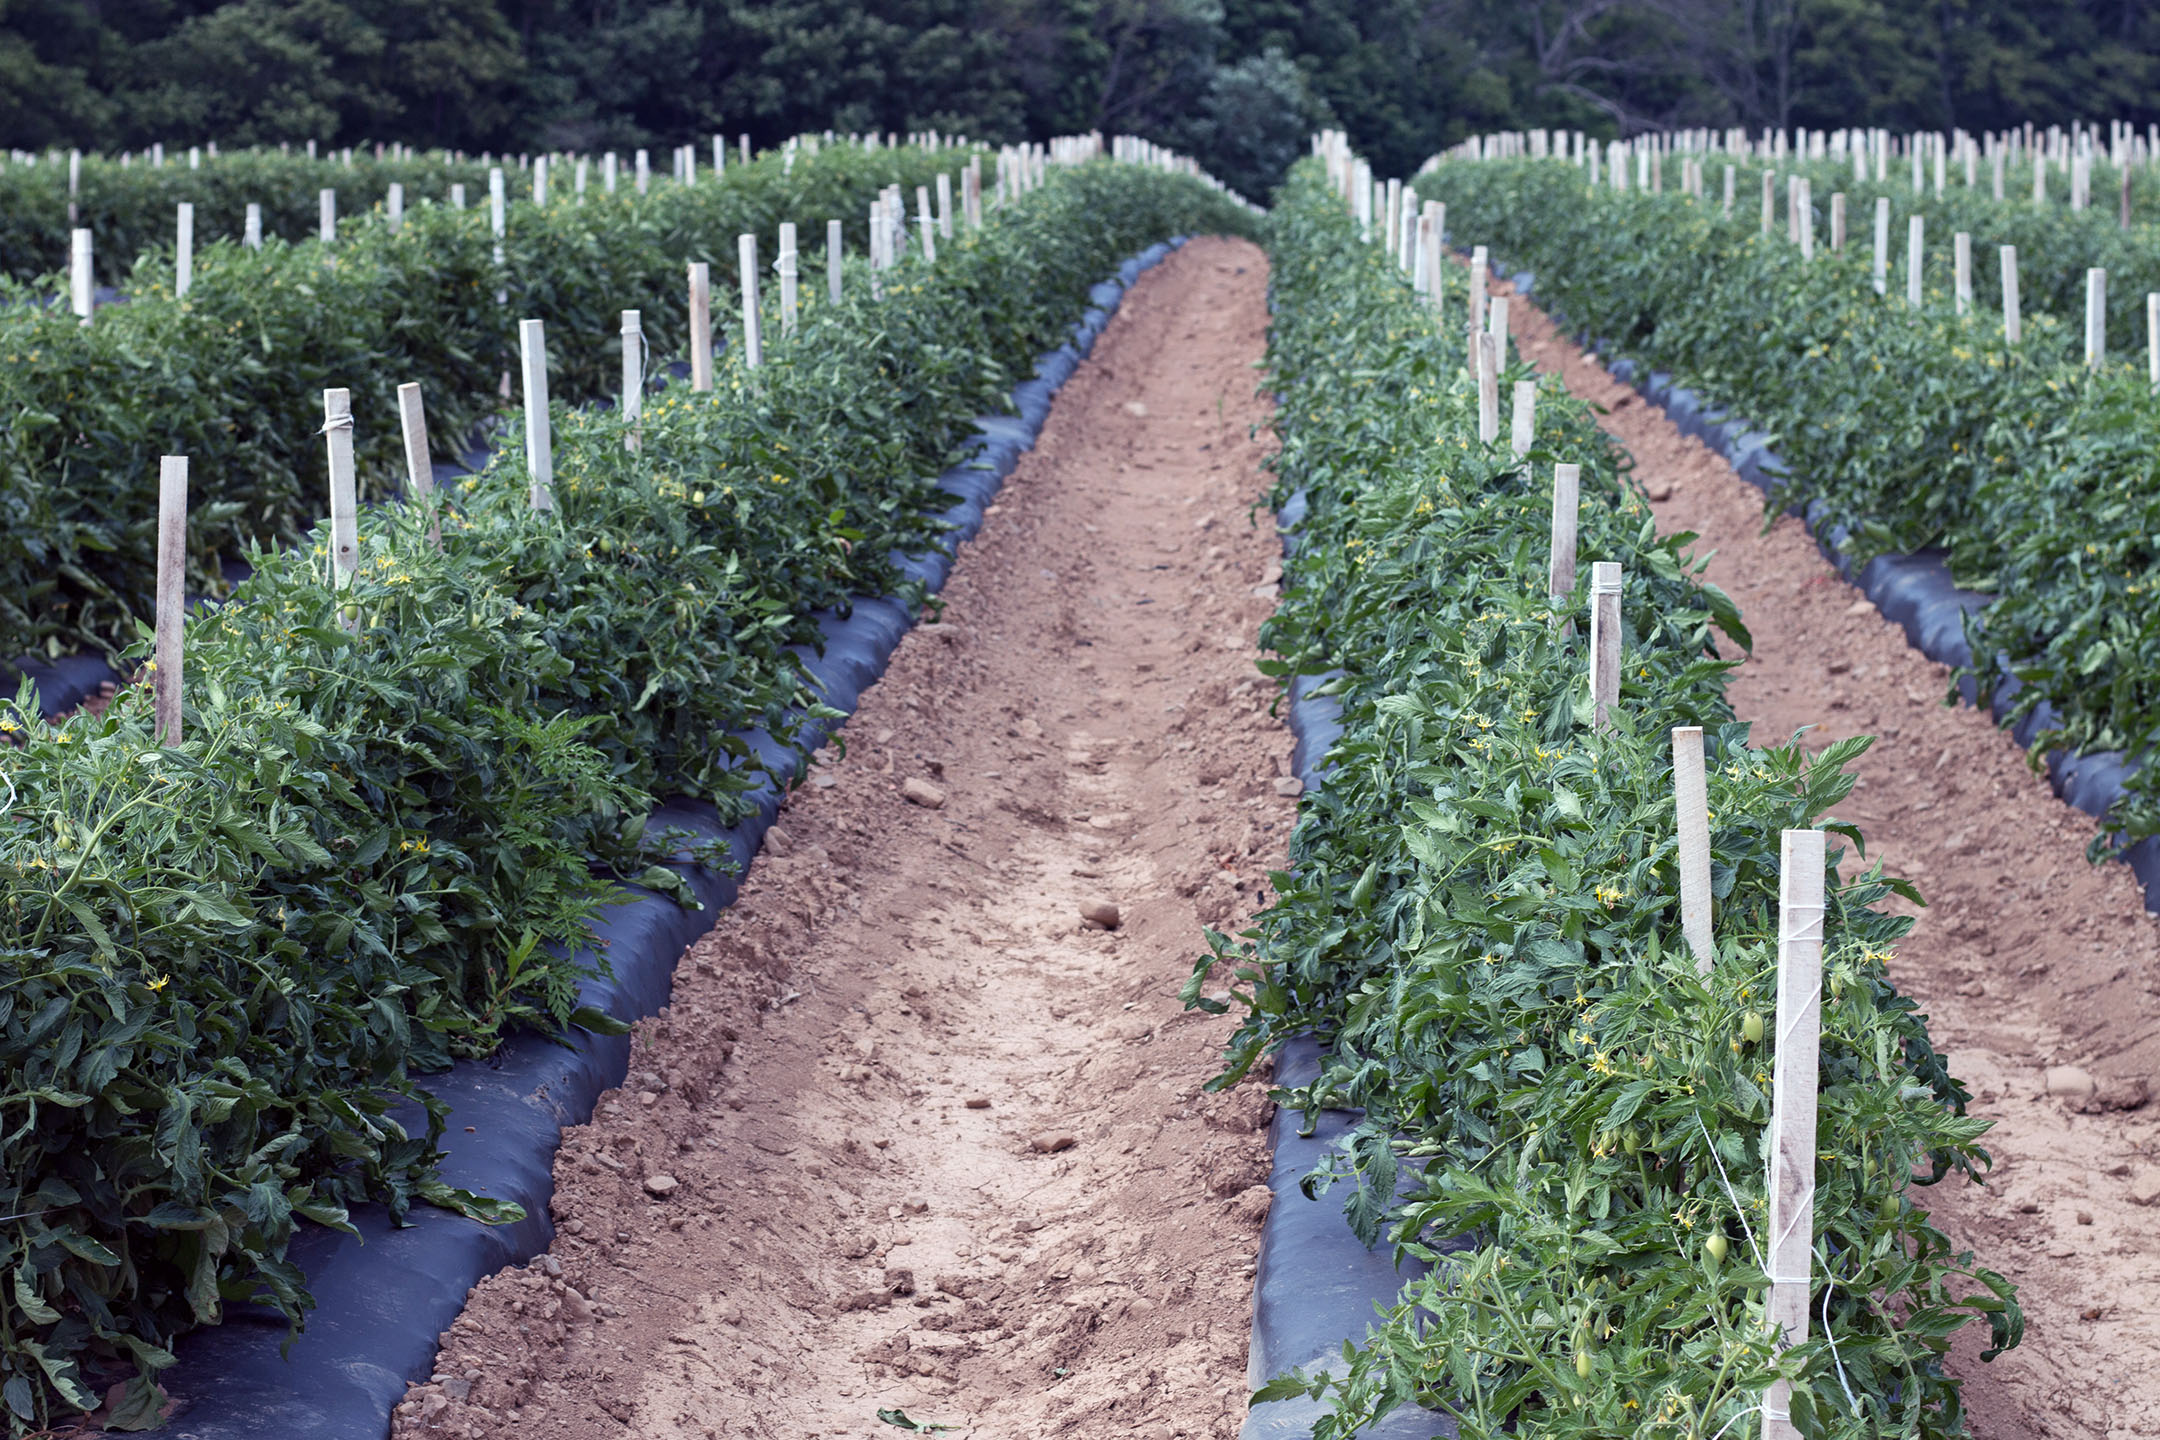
[(336, 422)]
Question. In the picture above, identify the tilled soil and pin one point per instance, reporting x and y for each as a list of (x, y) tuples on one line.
[(914, 1136), (2037, 970)]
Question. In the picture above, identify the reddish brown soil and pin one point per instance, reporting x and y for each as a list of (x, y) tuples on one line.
[(935, 1146), (2025, 958)]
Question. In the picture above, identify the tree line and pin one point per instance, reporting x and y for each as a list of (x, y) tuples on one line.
[(1239, 83)]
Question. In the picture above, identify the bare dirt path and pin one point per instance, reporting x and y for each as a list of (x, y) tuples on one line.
[(911, 1136), (2025, 958)]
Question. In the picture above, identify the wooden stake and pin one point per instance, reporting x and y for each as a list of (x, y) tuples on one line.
[(394, 206), (1837, 220), (82, 288), (753, 338), (1915, 252), (1769, 200), (1488, 387), (539, 436), (1691, 828), (835, 243), (1804, 217), (633, 374), (1605, 582), (1793, 1088), (326, 216), (184, 251), (344, 502), (1497, 323), (929, 226), (786, 264), (1730, 179), (539, 182), (944, 206), (2095, 318), (419, 467), (701, 366), (1566, 507), (2152, 338), (644, 172), (167, 656), (1522, 427), (2013, 326), (1882, 245), (1961, 265), (251, 228)]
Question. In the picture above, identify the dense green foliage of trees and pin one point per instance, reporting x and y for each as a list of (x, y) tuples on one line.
[(1238, 82)]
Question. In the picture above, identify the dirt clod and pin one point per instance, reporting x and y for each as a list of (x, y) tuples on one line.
[(918, 791), (1101, 913)]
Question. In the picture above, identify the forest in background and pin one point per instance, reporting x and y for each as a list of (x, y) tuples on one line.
[(1237, 83)]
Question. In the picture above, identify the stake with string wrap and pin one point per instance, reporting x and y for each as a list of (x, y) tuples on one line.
[(1691, 831), (753, 339), (633, 376)]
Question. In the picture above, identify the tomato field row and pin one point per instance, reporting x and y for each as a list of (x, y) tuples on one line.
[(231, 374), (376, 848), (1901, 428), (1479, 919)]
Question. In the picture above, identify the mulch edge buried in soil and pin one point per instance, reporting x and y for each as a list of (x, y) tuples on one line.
[(383, 1304), (1315, 1284), (1913, 591)]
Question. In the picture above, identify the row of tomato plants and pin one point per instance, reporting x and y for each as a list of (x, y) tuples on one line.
[(2055, 244), (128, 209), (1479, 920), (398, 804), (1901, 429), (231, 373)]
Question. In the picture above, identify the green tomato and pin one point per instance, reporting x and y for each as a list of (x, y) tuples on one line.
[(1582, 1364), (1890, 1206), (1716, 1247), (1751, 1028)]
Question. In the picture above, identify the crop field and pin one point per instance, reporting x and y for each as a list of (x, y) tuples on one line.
[(874, 782)]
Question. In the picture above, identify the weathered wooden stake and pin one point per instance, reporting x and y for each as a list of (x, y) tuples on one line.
[(1915, 253), (1881, 257), (1605, 582), (788, 268), (1961, 266), (1837, 220), (419, 468), (1691, 828), (633, 374), (539, 435), (2095, 318), (326, 216), (2013, 324), (344, 502), (251, 227), (1730, 180), (1793, 1088), (394, 206), (1488, 387), (701, 353), (1497, 323), (835, 248), (927, 222), (82, 289), (1522, 424), (2152, 338), (753, 337), (168, 655), (944, 206), (1566, 508), (184, 251)]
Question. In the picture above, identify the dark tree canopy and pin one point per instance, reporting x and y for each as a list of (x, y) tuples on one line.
[(1237, 82)]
